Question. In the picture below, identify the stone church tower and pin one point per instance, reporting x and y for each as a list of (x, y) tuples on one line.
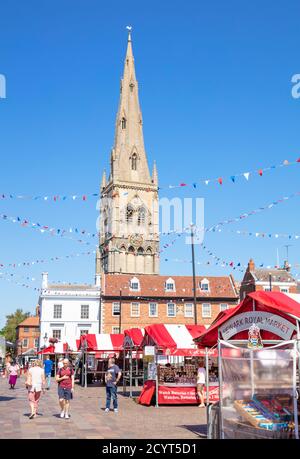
[(129, 210)]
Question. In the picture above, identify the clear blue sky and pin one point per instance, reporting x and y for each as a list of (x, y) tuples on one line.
[(215, 90)]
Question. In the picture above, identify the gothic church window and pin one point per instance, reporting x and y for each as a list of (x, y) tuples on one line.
[(141, 216), (129, 214), (134, 162), (123, 123)]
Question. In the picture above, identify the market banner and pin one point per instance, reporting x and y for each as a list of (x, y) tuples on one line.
[(265, 320), (184, 395)]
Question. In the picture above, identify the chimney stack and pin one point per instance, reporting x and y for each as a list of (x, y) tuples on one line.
[(286, 266), (251, 265), (98, 280), (44, 280)]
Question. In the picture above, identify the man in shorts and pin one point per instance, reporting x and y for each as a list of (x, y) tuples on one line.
[(65, 379)]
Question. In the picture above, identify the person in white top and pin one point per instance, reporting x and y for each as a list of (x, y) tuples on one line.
[(201, 378), (35, 384)]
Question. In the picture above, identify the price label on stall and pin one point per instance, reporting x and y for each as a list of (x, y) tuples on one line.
[(149, 350)]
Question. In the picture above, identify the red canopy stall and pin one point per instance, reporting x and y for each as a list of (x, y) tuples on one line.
[(96, 349), (172, 357), (258, 349), (132, 358)]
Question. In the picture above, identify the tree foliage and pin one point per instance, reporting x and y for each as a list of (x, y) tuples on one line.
[(12, 321)]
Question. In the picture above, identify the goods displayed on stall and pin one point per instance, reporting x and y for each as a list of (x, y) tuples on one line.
[(177, 374), (271, 413)]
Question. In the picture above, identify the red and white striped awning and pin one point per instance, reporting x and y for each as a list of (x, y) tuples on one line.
[(174, 339), (72, 345), (103, 342), (136, 335)]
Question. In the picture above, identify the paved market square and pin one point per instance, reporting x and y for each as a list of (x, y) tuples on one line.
[(88, 419)]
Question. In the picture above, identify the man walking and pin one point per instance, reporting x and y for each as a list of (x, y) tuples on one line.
[(48, 364), (112, 377), (65, 379)]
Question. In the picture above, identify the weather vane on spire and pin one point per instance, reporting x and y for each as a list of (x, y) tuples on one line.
[(129, 28)]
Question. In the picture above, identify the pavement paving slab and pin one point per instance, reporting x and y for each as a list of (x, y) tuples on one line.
[(88, 419)]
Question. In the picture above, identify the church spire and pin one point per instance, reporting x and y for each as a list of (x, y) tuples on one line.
[(130, 156)]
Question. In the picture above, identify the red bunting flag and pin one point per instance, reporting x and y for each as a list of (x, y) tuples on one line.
[(298, 160), (183, 184), (260, 172), (84, 197), (220, 180)]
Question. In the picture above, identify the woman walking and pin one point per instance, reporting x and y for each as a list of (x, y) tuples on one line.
[(35, 384), (13, 371)]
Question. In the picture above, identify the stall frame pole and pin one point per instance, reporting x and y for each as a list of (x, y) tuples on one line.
[(298, 348), (252, 372), (220, 388), (156, 378), (207, 385), (295, 391), (130, 374), (85, 370), (124, 368)]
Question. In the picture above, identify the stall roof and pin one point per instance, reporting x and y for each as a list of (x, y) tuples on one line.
[(72, 345), (175, 339), (103, 342), (136, 335), (273, 302)]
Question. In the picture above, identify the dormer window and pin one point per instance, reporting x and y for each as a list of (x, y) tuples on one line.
[(134, 162), (123, 122), (204, 285), (170, 285), (135, 284)]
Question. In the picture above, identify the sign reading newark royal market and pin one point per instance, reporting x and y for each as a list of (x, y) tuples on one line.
[(265, 320)]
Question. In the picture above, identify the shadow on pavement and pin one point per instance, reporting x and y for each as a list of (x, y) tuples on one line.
[(6, 399), (198, 429)]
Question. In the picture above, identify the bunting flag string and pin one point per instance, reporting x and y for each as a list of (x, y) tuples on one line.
[(42, 261), (25, 223), (265, 234), (36, 289), (216, 228), (220, 180)]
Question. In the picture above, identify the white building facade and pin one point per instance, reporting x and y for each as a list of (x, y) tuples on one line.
[(68, 311)]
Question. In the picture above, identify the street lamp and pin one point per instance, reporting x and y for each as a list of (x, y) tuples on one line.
[(19, 344), (45, 338), (270, 282)]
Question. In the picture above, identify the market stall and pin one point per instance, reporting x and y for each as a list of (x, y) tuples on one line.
[(171, 362), (132, 358), (258, 353), (58, 349), (96, 349)]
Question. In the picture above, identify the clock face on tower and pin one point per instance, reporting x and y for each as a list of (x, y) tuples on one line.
[(136, 239)]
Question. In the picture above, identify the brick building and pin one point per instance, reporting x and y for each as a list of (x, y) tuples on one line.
[(28, 335), (275, 279), (147, 299)]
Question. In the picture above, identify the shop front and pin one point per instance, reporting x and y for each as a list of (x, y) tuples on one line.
[(258, 356)]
